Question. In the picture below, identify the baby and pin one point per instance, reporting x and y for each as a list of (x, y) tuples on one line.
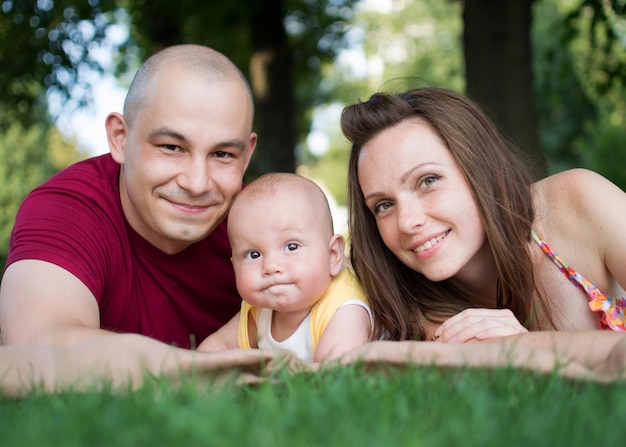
[(289, 267)]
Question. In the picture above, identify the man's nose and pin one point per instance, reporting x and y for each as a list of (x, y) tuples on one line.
[(196, 176)]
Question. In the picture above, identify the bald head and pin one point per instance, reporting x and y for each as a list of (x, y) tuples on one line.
[(194, 59), (275, 186)]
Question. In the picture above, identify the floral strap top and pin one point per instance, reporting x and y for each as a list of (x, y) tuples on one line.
[(612, 310)]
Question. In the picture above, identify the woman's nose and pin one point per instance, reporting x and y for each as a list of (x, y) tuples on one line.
[(410, 216)]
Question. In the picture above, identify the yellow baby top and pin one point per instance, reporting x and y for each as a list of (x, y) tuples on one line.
[(344, 288)]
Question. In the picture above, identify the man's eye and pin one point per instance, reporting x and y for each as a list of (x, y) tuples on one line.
[(171, 147), (221, 154), (253, 254), (292, 246)]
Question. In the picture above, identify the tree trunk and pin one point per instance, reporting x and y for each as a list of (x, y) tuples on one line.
[(498, 62), (271, 73)]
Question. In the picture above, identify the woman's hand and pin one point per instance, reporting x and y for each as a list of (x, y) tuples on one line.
[(478, 325)]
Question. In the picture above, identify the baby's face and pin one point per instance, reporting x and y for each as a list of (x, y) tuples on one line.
[(280, 252)]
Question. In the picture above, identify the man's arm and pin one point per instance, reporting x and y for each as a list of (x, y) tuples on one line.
[(119, 360), (50, 326), (42, 303)]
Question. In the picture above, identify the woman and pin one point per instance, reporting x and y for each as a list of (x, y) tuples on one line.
[(452, 239)]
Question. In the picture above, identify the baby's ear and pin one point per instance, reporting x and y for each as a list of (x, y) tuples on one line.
[(336, 246)]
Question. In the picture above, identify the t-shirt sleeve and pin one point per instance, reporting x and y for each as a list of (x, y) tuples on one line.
[(67, 229)]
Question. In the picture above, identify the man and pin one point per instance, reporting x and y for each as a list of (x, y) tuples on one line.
[(134, 242)]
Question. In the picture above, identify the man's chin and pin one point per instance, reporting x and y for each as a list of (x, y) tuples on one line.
[(189, 237), (183, 237)]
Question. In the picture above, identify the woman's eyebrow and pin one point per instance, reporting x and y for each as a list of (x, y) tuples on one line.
[(404, 177)]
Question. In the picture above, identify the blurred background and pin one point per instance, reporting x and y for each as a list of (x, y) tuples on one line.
[(551, 73)]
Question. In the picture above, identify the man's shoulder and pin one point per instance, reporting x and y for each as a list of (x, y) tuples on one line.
[(97, 170), (80, 202)]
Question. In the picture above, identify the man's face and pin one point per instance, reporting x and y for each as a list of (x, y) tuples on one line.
[(184, 158)]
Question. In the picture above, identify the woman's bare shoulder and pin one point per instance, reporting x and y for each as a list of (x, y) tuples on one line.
[(570, 178), (575, 191), (576, 201)]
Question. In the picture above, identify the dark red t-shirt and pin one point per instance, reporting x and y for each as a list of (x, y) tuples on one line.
[(75, 220)]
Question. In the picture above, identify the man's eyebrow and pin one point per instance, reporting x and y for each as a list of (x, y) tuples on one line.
[(237, 143), (165, 132)]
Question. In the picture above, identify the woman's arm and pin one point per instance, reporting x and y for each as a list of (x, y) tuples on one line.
[(594, 355), (478, 324)]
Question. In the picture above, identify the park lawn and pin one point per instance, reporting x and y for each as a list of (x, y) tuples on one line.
[(343, 406)]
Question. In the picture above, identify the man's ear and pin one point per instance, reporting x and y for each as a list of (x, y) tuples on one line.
[(336, 246), (251, 147), (117, 132)]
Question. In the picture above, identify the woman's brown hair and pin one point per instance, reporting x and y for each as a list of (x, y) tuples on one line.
[(403, 300)]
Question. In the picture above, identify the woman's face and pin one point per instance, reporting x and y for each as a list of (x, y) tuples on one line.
[(424, 209)]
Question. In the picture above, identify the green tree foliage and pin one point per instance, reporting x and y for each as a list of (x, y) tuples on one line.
[(564, 108), (598, 28), (605, 150), (580, 71), (600, 51), (411, 43), (47, 45)]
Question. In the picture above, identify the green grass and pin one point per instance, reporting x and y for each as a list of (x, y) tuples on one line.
[(419, 406)]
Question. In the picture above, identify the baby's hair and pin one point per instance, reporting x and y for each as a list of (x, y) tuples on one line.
[(277, 183)]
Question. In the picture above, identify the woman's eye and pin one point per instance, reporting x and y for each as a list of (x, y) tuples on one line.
[(429, 180), (381, 207), (253, 254), (292, 246)]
